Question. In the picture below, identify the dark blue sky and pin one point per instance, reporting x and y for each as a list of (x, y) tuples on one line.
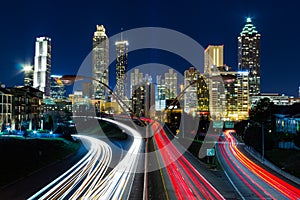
[(71, 24)]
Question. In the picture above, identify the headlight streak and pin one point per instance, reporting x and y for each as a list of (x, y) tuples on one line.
[(87, 180), (115, 183), (74, 176)]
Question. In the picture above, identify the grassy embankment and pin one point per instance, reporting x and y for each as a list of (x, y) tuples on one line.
[(287, 160), (20, 157)]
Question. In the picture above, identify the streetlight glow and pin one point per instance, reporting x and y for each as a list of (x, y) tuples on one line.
[(27, 68)]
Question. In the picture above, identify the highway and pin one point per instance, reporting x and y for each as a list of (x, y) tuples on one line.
[(250, 180), (186, 181), (88, 179), (117, 184), (91, 167)]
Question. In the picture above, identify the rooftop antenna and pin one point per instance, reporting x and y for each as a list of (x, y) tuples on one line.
[(121, 34)]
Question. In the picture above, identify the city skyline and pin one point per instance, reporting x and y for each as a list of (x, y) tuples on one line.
[(67, 57)]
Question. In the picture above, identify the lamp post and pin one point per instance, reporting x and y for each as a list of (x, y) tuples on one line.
[(70, 79), (177, 100)]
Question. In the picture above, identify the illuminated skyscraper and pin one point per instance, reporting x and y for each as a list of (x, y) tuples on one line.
[(42, 65), (171, 84), (196, 97), (190, 96), (213, 56), (202, 95), (249, 55), (121, 68), (28, 75), (160, 98), (100, 60), (143, 99), (237, 102), (136, 78)]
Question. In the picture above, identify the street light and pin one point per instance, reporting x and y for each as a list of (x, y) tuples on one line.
[(70, 79), (176, 99)]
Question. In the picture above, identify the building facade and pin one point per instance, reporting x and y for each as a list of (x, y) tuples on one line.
[(100, 62), (57, 88), (143, 100), (42, 65), (249, 55), (276, 98), (121, 68), (213, 56), (28, 75), (26, 107), (202, 95), (171, 84), (160, 99), (196, 93), (5, 108), (237, 103), (136, 78), (190, 95)]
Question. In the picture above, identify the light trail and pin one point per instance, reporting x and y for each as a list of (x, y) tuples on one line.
[(88, 179), (188, 183), (98, 156), (116, 182), (260, 181)]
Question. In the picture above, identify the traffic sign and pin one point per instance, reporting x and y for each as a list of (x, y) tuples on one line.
[(218, 124), (229, 124), (210, 152)]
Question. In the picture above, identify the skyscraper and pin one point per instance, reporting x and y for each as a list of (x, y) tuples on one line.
[(143, 99), (42, 65), (213, 56), (202, 95), (28, 75), (160, 98), (217, 98), (100, 58), (121, 67), (136, 78), (171, 84), (237, 102), (190, 96), (249, 55)]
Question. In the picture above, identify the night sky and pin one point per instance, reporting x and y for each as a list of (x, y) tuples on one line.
[(70, 25)]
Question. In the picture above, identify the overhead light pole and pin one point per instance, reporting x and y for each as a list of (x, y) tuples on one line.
[(70, 79)]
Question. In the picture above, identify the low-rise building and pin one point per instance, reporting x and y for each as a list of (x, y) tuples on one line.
[(5, 108), (276, 98), (26, 107)]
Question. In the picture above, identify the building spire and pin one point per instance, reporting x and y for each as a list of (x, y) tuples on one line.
[(249, 28), (121, 34)]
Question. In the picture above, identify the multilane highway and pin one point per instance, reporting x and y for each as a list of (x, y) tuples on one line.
[(88, 179), (187, 182), (250, 179)]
